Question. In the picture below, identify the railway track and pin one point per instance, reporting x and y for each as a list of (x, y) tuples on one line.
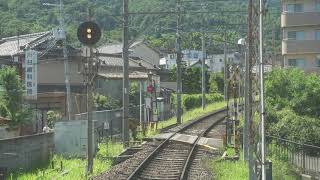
[(173, 160)]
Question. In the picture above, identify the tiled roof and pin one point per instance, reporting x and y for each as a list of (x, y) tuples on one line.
[(10, 46), (116, 61), (115, 48)]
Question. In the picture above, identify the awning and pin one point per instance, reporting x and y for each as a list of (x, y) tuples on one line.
[(135, 75)]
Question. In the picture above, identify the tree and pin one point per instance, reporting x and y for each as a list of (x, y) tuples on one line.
[(216, 82), (52, 117), (134, 97), (105, 103), (12, 97)]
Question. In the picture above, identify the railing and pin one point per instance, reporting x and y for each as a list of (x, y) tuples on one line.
[(303, 156)]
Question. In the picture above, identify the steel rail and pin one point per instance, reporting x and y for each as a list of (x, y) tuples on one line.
[(154, 153), (202, 134)]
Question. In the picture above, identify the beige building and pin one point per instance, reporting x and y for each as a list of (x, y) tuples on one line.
[(300, 23)]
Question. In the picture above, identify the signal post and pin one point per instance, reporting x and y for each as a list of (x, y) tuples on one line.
[(89, 34)]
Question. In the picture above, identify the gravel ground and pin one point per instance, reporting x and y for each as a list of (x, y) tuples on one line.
[(124, 169)]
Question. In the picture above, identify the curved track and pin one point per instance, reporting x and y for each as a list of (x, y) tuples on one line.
[(171, 159)]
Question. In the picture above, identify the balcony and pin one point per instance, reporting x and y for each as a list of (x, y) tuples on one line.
[(300, 19), (300, 46)]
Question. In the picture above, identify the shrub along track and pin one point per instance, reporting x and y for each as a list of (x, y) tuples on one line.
[(170, 159)]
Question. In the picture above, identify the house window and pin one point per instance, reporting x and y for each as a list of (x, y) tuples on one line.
[(296, 35), (189, 55), (317, 34), (171, 56), (297, 63), (195, 55), (294, 8), (220, 60)]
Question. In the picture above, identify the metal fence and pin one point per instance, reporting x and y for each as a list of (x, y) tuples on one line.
[(109, 122), (303, 156)]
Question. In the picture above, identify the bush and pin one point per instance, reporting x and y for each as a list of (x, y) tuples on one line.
[(291, 126), (191, 101)]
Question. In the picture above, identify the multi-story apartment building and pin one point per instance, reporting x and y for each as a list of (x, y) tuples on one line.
[(300, 22)]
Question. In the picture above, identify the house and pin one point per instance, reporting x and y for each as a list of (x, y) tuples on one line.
[(188, 58), (198, 64), (109, 81), (192, 56), (216, 61), (50, 69), (138, 49), (300, 23)]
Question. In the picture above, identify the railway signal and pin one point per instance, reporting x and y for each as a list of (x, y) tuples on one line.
[(89, 33)]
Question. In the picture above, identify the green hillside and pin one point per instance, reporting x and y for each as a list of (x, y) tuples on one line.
[(26, 16)]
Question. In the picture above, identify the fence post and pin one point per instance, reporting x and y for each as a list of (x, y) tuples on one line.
[(303, 159)]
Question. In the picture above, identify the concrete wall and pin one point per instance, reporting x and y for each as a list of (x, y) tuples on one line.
[(71, 138), (5, 134), (26, 152)]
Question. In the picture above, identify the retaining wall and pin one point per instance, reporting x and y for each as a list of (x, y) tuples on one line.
[(26, 152)]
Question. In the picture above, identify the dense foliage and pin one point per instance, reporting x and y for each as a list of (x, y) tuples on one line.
[(216, 83), (292, 105), (105, 102), (191, 101), (191, 79), (12, 97)]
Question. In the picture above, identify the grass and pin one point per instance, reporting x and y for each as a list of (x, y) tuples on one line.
[(72, 168), (238, 170), (193, 114), (227, 170), (187, 116)]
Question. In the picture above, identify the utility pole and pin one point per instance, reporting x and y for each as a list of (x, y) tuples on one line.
[(203, 71), (65, 60), (262, 93), (225, 68), (179, 56), (273, 47), (65, 54), (203, 61), (125, 57), (246, 108), (251, 163)]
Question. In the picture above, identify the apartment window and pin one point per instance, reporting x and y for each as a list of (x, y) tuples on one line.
[(296, 35), (317, 34), (294, 8), (297, 62), (318, 62), (220, 60), (317, 7)]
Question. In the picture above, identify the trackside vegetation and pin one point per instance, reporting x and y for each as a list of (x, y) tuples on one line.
[(292, 105), (72, 168)]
